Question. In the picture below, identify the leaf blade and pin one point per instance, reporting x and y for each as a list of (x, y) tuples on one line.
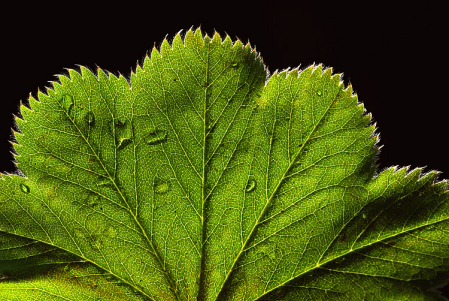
[(218, 183)]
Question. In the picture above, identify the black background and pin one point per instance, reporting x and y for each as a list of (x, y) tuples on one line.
[(394, 55)]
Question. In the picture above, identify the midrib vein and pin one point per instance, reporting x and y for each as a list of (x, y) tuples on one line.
[(203, 178)]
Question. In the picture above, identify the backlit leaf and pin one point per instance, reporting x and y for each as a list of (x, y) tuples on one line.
[(204, 178)]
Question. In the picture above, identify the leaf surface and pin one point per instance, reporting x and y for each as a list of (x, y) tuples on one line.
[(204, 178)]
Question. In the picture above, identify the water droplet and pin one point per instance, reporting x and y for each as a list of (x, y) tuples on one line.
[(156, 137), (24, 188), (122, 142), (90, 118), (105, 182), (67, 103), (123, 133), (251, 185), (319, 93), (161, 186)]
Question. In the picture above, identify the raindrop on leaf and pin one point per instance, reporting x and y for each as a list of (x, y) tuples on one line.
[(157, 136), (122, 142), (251, 185), (24, 188), (67, 103), (161, 186)]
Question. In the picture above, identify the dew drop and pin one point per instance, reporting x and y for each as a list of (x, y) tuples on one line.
[(90, 118), (122, 142), (319, 93), (157, 136), (67, 102), (24, 188), (251, 185), (105, 183), (161, 186)]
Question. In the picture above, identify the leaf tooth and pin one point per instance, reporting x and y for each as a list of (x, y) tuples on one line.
[(327, 73), (199, 37), (87, 73), (227, 42), (412, 174), (207, 39), (217, 38), (317, 71), (307, 72), (283, 73), (147, 61), (401, 172), (42, 96), (177, 42), (248, 48), (237, 45), (389, 170), (165, 48), (112, 76), (293, 74), (337, 78), (63, 79), (57, 85), (188, 39), (20, 121), (348, 90), (101, 75), (155, 56), (441, 186), (74, 75), (139, 70), (427, 177), (32, 101), (123, 80), (133, 76)]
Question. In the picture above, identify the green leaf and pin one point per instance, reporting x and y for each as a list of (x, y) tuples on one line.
[(204, 178)]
